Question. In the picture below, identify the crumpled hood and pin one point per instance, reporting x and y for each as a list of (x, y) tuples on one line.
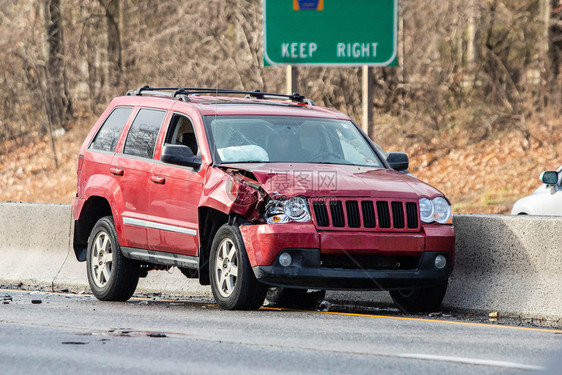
[(325, 180)]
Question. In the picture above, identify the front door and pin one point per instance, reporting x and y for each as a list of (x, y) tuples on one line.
[(174, 196)]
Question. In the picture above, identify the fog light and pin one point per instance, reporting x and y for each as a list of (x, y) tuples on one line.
[(440, 262), (285, 259)]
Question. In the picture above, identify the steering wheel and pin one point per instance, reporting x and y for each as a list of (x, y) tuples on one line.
[(325, 154)]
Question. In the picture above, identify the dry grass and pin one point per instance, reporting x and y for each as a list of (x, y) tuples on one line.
[(488, 176), (28, 173)]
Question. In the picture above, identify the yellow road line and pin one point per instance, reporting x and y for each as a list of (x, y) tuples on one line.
[(423, 320), (557, 331)]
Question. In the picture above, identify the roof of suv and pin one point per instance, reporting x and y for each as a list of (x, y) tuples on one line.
[(255, 103)]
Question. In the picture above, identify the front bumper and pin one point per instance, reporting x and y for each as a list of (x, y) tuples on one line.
[(348, 260), (426, 274)]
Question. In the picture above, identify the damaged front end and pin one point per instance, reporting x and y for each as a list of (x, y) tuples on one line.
[(318, 252), (238, 191), (234, 191)]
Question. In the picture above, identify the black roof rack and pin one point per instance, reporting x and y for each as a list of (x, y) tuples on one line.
[(184, 92)]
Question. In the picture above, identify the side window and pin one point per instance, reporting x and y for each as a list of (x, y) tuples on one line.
[(144, 132), (181, 132), (109, 133)]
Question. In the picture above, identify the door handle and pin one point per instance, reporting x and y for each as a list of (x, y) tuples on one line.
[(158, 179), (116, 171)]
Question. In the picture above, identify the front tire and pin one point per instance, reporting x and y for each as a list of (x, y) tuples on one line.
[(420, 300), (111, 276), (233, 282)]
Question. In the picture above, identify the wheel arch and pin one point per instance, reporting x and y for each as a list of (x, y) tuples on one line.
[(210, 220), (93, 209)]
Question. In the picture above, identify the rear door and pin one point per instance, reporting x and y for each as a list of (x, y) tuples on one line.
[(133, 169), (175, 192)]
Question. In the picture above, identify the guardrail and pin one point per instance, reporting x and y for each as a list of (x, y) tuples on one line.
[(508, 264)]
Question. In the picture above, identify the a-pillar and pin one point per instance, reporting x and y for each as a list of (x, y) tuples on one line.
[(367, 100)]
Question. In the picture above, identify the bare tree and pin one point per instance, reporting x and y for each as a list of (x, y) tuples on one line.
[(468, 64), (114, 46), (555, 47), (56, 73)]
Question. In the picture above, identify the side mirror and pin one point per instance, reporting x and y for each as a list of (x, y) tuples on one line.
[(549, 177), (398, 161), (180, 155)]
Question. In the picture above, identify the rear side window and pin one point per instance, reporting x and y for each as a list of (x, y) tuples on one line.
[(143, 133), (109, 133)]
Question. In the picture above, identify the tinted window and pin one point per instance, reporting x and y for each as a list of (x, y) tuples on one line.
[(109, 133), (144, 131)]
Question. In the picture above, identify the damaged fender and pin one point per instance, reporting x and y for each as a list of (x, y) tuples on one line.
[(231, 191)]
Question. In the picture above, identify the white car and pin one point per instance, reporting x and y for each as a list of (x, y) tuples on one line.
[(546, 200)]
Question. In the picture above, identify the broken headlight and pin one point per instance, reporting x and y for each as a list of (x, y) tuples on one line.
[(285, 210)]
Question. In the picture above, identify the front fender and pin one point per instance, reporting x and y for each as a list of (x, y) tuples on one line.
[(231, 193)]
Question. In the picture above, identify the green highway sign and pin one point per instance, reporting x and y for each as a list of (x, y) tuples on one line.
[(330, 32)]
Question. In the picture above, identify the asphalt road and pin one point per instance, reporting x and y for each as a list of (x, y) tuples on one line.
[(69, 334)]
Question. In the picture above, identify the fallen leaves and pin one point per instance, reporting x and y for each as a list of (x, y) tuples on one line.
[(28, 172), (489, 176)]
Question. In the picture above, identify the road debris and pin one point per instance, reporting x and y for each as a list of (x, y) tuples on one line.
[(493, 316), (324, 306), (157, 335), (36, 301), (124, 332)]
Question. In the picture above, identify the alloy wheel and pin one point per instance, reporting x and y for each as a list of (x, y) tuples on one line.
[(102, 259), (226, 267)]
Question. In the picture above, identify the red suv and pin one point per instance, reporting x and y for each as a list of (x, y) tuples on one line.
[(255, 195)]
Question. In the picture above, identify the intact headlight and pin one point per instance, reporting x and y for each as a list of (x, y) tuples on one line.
[(285, 210), (426, 210), (442, 210), (436, 210)]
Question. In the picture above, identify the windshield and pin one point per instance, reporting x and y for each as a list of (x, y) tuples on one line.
[(287, 139)]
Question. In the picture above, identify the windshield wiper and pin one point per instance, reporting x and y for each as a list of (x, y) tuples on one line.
[(244, 161), (329, 162)]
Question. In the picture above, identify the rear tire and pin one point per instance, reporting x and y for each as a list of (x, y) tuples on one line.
[(233, 282), (111, 276), (420, 300), (295, 298)]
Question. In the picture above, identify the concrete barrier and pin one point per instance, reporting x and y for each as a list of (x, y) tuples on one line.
[(36, 250), (508, 264)]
